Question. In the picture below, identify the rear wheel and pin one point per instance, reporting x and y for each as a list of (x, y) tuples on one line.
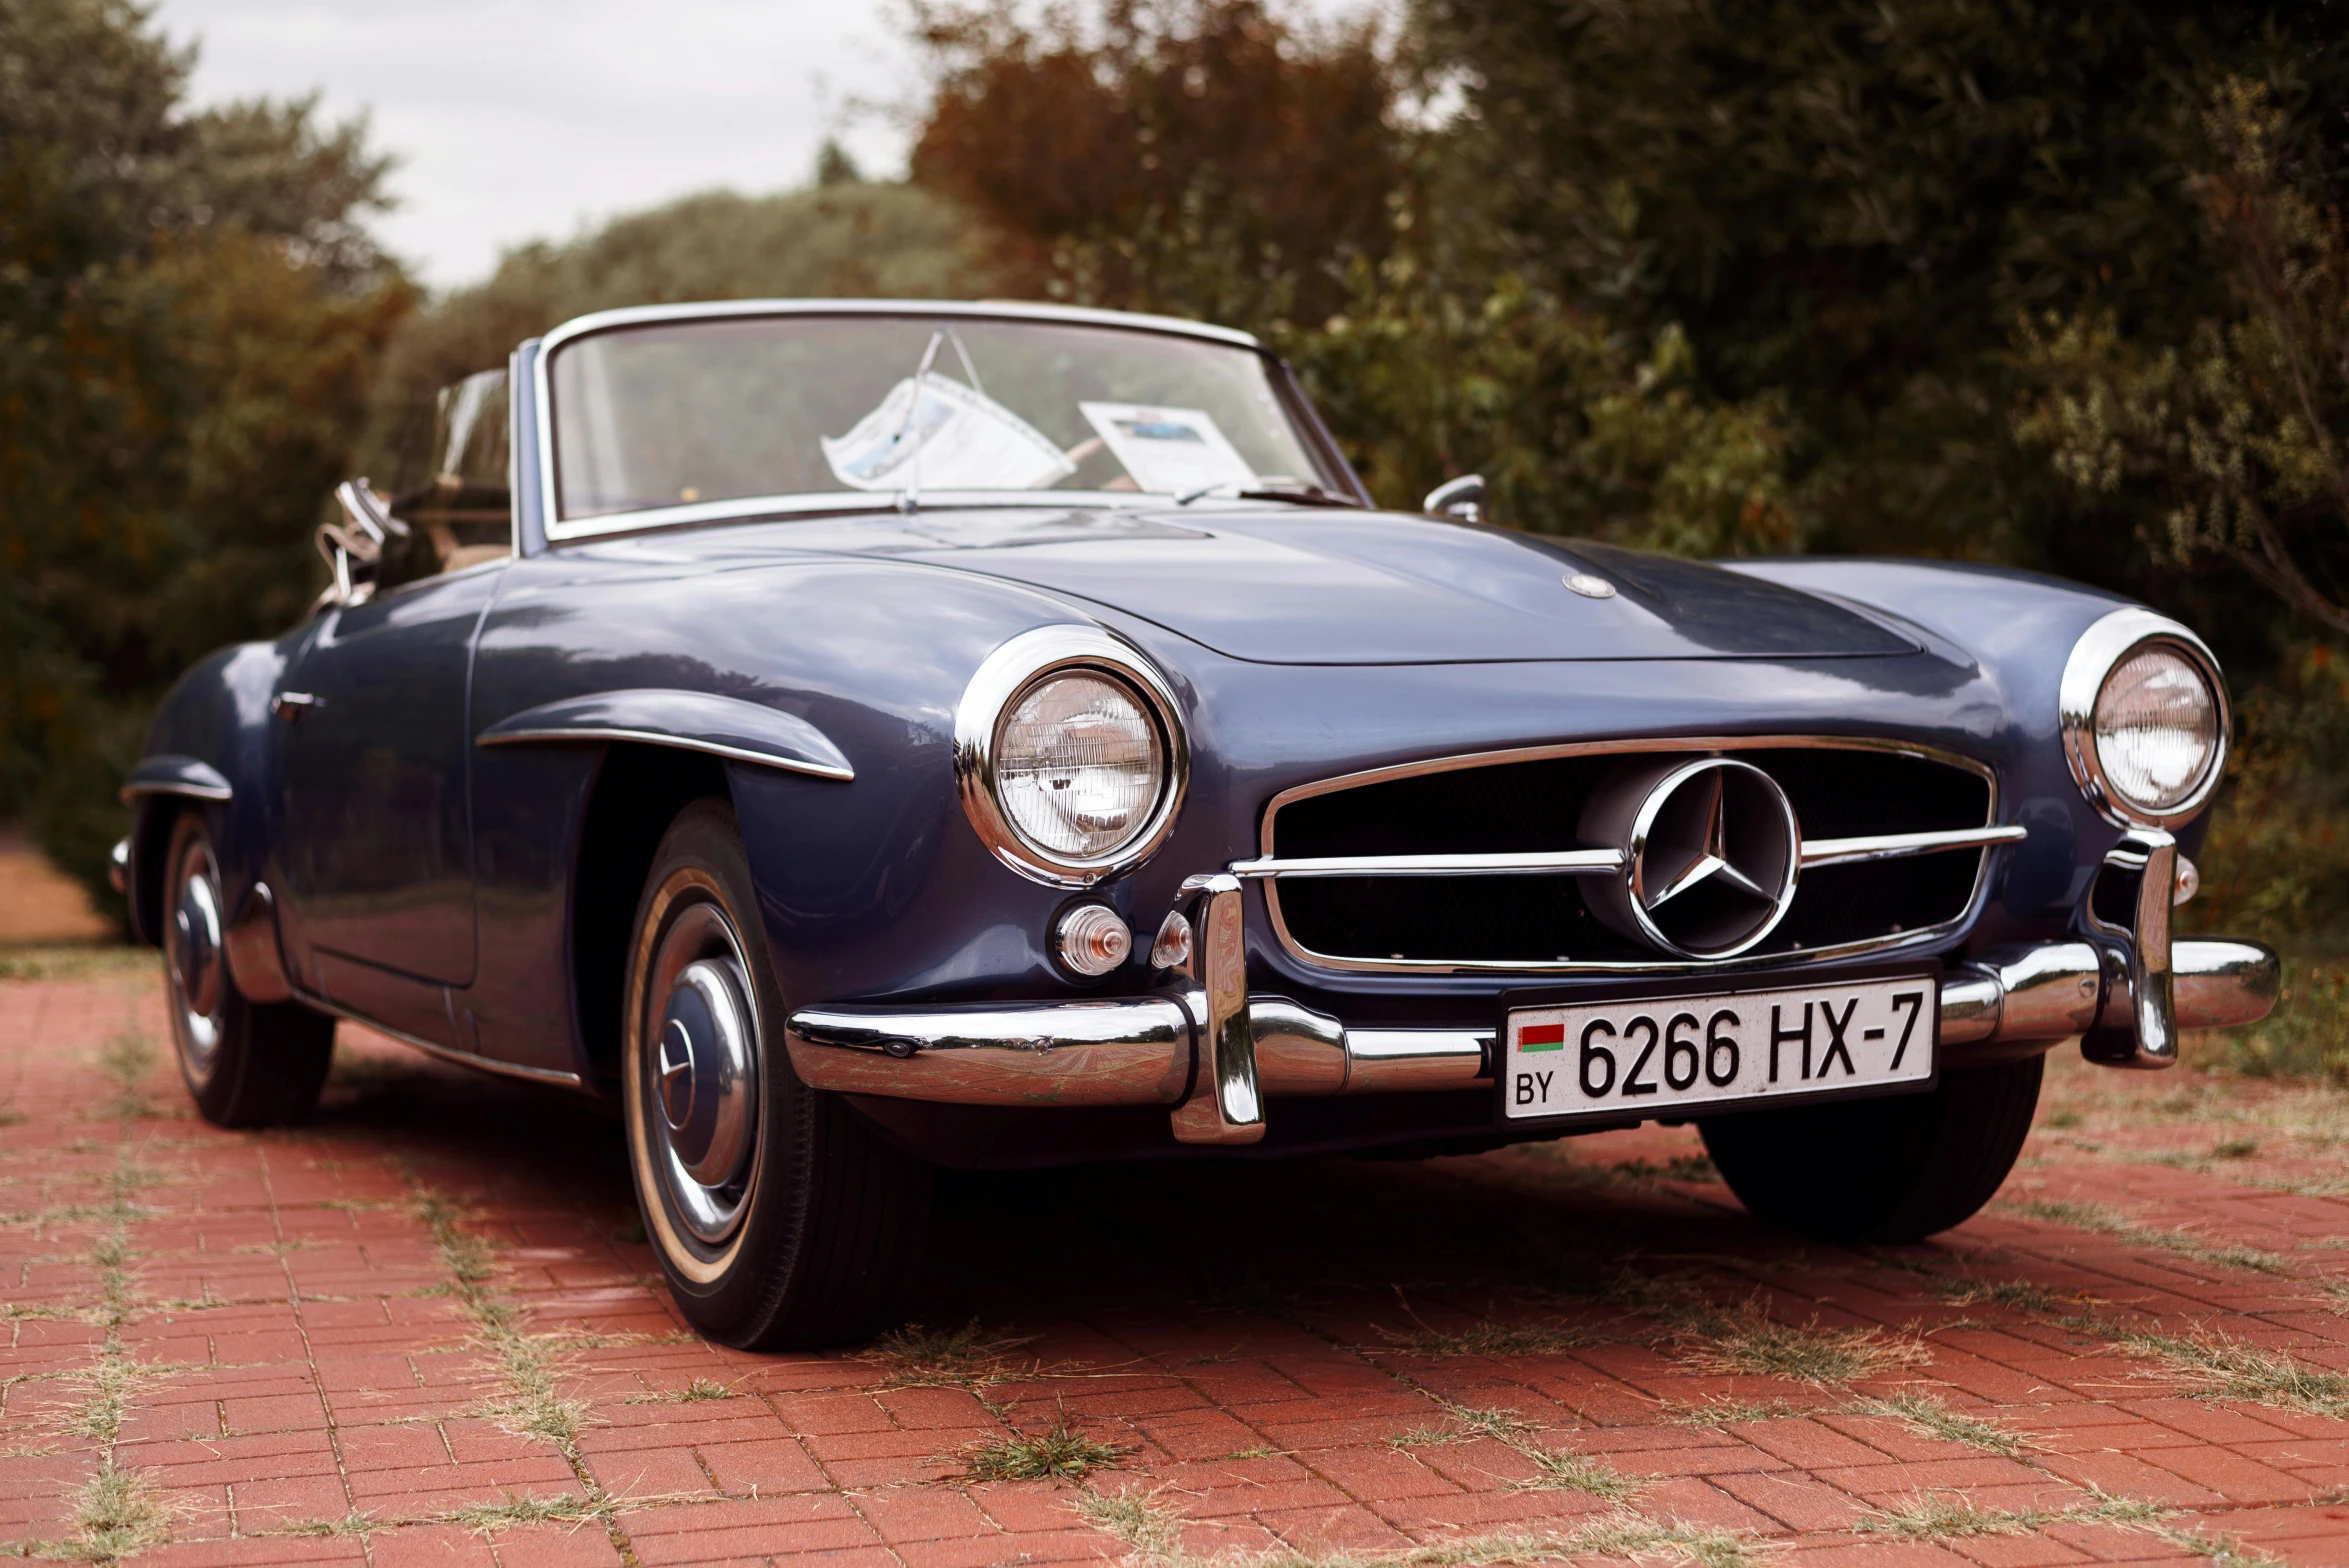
[(246, 1064), (781, 1219), (1881, 1170)]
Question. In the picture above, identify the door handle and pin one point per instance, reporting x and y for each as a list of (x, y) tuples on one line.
[(291, 705)]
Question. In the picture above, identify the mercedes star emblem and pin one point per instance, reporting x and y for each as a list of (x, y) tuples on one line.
[(1710, 852)]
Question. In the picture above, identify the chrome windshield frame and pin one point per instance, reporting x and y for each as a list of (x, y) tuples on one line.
[(560, 530)]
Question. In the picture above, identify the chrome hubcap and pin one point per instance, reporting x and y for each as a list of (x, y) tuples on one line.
[(192, 949), (700, 1088)]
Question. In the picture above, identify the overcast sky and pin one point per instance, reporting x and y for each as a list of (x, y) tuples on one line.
[(516, 120), (522, 119)]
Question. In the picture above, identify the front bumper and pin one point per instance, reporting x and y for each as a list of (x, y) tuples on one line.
[(1214, 1054)]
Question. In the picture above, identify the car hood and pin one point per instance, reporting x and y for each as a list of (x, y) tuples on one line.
[(1298, 587)]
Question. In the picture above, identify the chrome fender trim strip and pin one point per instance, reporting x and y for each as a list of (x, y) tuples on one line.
[(170, 775), (727, 727)]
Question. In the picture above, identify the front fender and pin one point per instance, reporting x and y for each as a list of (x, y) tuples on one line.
[(211, 747), (2018, 627)]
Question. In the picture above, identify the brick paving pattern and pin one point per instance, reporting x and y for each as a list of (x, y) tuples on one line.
[(426, 1329)]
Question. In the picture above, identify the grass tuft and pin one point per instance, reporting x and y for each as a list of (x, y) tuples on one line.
[(1136, 1518), (1059, 1453), (2107, 1221), (1563, 1470), (2016, 1295), (966, 1357), (115, 1514), (1746, 1339), (2221, 1367), (1726, 1412), (1492, 1339), (1625, 1535), (533, 1404), (352, 1523), (1924, 1414), (509, 1511), (126, 1058), (1943, 1516)]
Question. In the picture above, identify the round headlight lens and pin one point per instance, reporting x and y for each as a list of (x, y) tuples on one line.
[(1078, 766), (2157, 729)]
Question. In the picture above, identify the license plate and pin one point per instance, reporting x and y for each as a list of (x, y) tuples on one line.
[(1662, 1054)]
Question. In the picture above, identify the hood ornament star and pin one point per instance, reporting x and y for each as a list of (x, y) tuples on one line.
[(1710, 853)]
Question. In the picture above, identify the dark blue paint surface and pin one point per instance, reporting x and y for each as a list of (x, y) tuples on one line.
[(435, 884)]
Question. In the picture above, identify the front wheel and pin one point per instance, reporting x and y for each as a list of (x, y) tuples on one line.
[(781, 1219), (246, 1064), (1887, 1170)]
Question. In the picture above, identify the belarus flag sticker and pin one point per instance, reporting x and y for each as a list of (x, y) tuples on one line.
[(1541, 1037)]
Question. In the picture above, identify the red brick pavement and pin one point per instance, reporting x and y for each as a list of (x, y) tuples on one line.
[(424, 1329)]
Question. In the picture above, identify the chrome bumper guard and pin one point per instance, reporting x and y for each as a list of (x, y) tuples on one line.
[(1213, 1054)]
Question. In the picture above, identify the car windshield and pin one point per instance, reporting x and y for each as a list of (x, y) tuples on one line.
[(729, 409)]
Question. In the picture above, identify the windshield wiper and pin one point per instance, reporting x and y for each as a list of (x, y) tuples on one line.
[(1268, 490)]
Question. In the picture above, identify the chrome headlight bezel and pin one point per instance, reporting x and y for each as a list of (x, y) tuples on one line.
[(2101, 650), (1007, 675)]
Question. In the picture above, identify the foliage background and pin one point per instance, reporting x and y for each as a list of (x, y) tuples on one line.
[(2058, 287)]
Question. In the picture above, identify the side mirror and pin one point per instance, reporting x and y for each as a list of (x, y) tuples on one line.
[(1461, 498), (354, 547)]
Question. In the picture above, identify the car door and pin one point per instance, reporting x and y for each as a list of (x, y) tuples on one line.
[(377, 834)]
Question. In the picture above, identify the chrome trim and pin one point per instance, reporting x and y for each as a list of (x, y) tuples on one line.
[(256, 962), (1923, 937), (1226, 1102), (2140, 1028), (542, 383), (447, 1053), (1565, 862), (2222, 984), (707, 722), (173, 775), (1384, 1060), (1893, 846), (1598, 862), (1298, 1051), (1012, 669), (2099, 650), (1460, 499), (852, 503), (1051, 1053), (674, 743), (1628, 904), (2050, 991), (1969, 1007), (1137, 1051)]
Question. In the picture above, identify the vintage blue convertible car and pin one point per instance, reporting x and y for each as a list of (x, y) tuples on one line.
[(862, 737)]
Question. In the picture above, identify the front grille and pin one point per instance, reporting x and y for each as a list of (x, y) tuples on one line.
[(1529, 805)]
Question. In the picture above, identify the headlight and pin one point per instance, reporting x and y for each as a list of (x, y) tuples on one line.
[(2145, 718), (2157, 729), (1078, 765), (1071, 755)]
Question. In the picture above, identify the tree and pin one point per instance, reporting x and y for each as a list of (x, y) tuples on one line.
[(847, 238), (1851, 204), (1203, 156), (189, 308), (2239, 432)]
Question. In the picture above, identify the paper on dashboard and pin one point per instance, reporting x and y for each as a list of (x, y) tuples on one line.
[(1169, 451), (957, 439)]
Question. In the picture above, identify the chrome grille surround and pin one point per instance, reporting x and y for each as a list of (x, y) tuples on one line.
[(1905, 941)]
